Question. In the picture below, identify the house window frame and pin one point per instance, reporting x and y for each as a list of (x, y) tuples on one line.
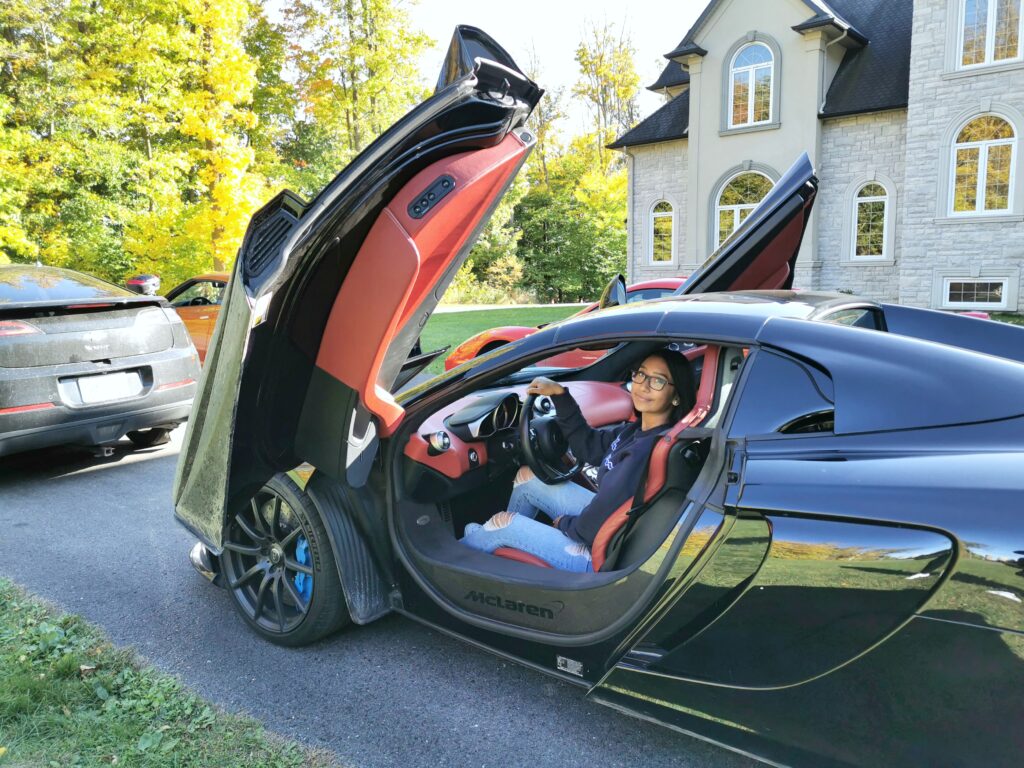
[(947, 169), (652, 216), (947, 283), (726, 127), (751, 72), (886, 254), (942, 278), (990, 38), (719, 188), (980, 186)]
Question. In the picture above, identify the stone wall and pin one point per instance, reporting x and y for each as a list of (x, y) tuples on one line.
[(855, 150), (657, 172), (933, 244)]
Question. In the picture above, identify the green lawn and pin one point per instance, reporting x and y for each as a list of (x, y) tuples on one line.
[(1008, 317), (452, 328), (69, 698)]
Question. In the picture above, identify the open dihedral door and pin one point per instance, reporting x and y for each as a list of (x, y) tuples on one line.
[(761, 254), (328, 298)]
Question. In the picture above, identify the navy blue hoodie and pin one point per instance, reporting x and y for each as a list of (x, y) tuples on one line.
[(620, 453)]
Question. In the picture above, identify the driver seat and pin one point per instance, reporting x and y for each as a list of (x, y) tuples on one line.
[(657, 471)]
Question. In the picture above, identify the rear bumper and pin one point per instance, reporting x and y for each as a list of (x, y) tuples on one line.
[(36, 411), (104, 429)]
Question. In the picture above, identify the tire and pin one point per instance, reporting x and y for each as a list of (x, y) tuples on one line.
[(147, 438), (269, 550)]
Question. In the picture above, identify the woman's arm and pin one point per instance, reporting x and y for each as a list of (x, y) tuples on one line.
[(587, 443)]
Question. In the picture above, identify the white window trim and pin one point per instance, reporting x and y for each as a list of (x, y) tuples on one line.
[(735, 209), (750, 72), (948, 281), (941, 278), (886, 254), (990, 38), (652, 217), (983, 147)]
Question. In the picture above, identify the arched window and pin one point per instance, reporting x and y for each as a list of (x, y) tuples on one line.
[(661, 233), (750, 89), (983, 158), (738, 198), (871, 222), (990, 32)]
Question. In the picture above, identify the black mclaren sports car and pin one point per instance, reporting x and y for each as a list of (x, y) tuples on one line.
[(822, 566)]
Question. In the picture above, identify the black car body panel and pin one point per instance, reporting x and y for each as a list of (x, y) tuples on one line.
[(840, 578), (85, 362)]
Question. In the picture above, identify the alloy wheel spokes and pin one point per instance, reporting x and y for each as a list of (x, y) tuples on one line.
[(248, 529), (295, 565), (258, 568), (275, 518), (243, 549), (296, 597), (279, 602), (290, 537), (260, 594)]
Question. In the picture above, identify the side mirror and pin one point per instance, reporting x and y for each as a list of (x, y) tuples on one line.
[(614, 293)]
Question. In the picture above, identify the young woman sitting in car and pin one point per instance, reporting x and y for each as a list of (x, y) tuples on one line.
[(663, 392)]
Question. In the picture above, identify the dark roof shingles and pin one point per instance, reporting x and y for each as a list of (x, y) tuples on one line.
[(672, 75), (877, 76), (669, 122)]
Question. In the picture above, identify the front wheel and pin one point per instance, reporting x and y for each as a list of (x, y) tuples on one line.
[(280, 569)]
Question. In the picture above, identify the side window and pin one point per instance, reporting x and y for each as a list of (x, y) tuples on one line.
[(783, 395), (201, 294), (857, 318)]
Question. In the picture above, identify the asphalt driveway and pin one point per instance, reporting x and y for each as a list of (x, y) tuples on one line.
[(97, 537)]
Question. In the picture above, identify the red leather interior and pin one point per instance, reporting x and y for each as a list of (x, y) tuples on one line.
[(770, 270), (402, 260), (600, 402), (523, 557)]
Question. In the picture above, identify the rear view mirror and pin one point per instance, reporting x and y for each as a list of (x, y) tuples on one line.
[(614, 293)]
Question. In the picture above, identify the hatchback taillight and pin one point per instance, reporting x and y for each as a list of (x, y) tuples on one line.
[(16, 328)]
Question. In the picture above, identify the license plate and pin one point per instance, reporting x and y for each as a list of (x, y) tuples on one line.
[(111, 386)]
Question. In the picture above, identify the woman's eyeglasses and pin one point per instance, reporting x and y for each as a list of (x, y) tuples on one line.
[(657, 383)]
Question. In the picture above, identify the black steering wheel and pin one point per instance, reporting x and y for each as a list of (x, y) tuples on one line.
[(544, 446)]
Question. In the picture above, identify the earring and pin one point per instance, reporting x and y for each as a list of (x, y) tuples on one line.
[(675, 401)]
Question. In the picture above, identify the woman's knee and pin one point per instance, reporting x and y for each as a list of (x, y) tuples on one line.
[(525, 474), (499, 521)]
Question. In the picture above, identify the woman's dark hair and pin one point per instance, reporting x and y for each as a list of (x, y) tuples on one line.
[(681, 373)]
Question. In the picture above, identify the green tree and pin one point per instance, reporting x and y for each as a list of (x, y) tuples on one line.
[(608, 83), (356, 65)]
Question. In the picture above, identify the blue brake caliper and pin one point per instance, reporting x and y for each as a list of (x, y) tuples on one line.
[(303, 581)]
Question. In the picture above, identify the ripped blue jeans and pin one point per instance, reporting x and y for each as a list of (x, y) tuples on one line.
[(529, 535)]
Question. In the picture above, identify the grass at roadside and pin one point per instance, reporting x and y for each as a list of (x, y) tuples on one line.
[(453, 328), (1008, 317), (69, 698)]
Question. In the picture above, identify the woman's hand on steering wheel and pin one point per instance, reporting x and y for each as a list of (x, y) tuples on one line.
[(544, 386), (543, 445)]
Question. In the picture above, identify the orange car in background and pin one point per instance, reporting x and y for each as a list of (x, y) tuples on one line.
[(197, 302)]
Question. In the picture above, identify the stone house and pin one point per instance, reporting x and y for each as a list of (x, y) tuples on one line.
[(911, 112)]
